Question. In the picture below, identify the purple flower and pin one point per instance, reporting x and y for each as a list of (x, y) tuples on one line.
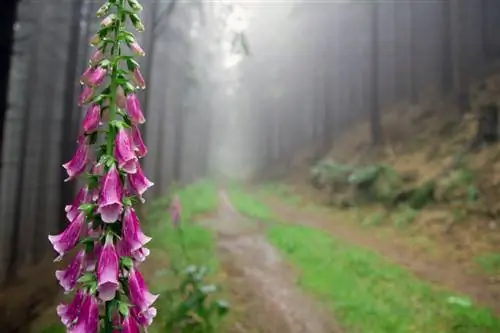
[(124, 152), (72, 210), (144, 318), (69, 312), (107, 271), (134, 110), (66, 240), (175, 211), (86, 95), (138, 79), (139, 294), (79, 160), (139, 146), (92, 118), (139, 182), (110, 204), (121, 100), (67, 278), (136, 49), (131, 231), (94, 77), (88, 317), (129, 325), (96, 57), (92, 258), (140, 255)]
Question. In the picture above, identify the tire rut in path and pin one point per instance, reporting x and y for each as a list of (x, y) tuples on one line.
[(261, 280)]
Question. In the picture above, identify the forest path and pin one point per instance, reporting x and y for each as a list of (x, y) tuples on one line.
[(481, 290), (261, 280)]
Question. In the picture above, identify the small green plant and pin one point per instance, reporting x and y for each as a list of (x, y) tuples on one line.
[(405, 216), (193, 310)]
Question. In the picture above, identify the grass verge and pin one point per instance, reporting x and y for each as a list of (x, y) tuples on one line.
[(369, 294)]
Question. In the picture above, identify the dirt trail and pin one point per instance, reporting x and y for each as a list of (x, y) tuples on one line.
[(483, 291), (261, 280)]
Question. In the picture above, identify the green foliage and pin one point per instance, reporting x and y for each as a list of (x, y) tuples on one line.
[(191, 307), (489, 263), (404, 216), (458, 185), (367, 293), (249, 205), (329, 172), (423, 195)]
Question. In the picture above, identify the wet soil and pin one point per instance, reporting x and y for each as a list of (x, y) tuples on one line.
[(259, 279)]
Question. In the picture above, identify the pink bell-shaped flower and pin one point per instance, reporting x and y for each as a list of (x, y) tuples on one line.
[(139, 146), (110, 204), (138, 79), (82, 197), (88, 317), (129, 325), (138, 292), (139, 182), (92, 118), (134, 110), (67, 240), (107, 271), (79, 160), (124, 153), (131, 231), (69, 312), (144, 318), (94, 77), (67, 278), (121, 99), (86, 95), (136, 49)]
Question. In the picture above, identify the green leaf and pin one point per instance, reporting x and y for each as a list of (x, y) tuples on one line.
[(126, 262), (87, 208), (208, 289), (222, 307), (87, 278), (460, 301), (132, 64), (123, 308)]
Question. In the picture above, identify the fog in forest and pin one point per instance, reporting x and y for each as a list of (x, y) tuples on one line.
[(259, 113)]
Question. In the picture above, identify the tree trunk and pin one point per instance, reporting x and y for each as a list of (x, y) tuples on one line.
[(7, 20), (376, 130), (68, 140), (446, 50), (413, 54)]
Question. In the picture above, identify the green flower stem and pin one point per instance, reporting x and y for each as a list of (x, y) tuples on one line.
[(112, 111)]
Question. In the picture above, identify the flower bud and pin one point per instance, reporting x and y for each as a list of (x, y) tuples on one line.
[(96, 57), (96, 39), (138, 79), (103, 10), (136, 49), (135, 5), (85, 96), (108, 21), (121, 100)]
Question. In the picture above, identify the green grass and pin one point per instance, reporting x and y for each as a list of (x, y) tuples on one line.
[(282, 191), (248, 205), (369, 294), (488, 263), (189, 244)]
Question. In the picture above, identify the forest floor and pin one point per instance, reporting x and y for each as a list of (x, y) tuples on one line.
[(288, 265)]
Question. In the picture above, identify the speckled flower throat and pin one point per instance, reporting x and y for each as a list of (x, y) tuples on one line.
[(109, 293)]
